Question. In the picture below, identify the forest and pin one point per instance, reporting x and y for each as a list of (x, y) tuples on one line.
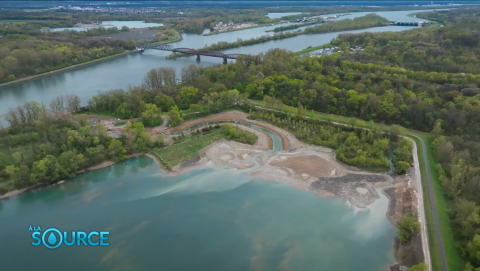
[(48, 143)]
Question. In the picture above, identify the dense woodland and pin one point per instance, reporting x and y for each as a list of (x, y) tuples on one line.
[(46, 143), (354, 145)]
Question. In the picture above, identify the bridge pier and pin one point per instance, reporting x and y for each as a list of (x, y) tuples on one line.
[(198, 57), (224, 60)]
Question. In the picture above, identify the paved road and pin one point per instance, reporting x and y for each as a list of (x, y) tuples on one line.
[(432, 203)]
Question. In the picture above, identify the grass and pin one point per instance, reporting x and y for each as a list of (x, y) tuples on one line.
[(175, 154), (446, 233), (310, 49), (120, 123)]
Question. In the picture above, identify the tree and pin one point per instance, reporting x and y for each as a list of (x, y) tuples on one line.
[(397, 130), (46, 169), (473, 250), (116, 151), (165, 102), (174, 115), (73, 103), (151, 115), (401, 167), (407, 226), (466, 216), (195, 108), (188, 94), (437, 129)]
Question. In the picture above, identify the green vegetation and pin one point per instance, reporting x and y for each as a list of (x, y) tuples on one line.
[(32, 52), (166, 34), (42, 147), (292, 26), (179, 152), (239, 135), (353, 144), (419, 267), (408, 226), (314, 48), (175, 154)]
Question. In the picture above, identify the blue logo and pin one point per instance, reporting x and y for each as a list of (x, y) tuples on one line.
[(53, 238)]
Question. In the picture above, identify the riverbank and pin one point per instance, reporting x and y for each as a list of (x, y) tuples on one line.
[(300, 165), (103, 164), (70, 68), (244, 28), (311, 49)]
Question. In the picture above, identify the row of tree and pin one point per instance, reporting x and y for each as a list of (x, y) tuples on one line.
[(357, 144)]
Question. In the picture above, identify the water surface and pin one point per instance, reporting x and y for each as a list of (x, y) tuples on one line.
[(108, 24), (213, 218), (129, 70)]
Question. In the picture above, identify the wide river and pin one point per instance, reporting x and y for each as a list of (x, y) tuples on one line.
[(130, 69), (212, 218)]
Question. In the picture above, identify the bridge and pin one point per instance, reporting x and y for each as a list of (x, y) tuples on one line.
[(408, 23), (166, 47)]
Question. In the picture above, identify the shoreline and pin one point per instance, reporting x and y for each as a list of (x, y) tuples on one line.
[(54, 72), (102, 165), (74, 67), (238, 29)]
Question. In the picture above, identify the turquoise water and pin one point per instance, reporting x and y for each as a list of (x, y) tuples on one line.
[(213, 218)]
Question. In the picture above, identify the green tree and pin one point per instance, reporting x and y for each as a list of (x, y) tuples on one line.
[(401, 167), (188, 94), (116, 150), (152, 115), (46, 169), (174, 115), (407, 226), (473, 250)]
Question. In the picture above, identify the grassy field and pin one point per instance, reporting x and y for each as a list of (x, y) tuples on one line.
[(311, 49), (175, 154), (449, 245)]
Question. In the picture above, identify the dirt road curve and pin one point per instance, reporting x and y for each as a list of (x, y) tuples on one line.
[(432, 203)]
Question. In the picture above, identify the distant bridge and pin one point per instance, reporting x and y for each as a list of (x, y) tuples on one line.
[(409, 23), (166, 47)]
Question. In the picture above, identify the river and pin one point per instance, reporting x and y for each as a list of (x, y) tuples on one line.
[(212, 218), (129, 70)]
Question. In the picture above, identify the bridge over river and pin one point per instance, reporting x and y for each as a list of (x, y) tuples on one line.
[(166, 47)]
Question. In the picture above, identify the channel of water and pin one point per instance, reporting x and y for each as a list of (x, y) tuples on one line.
[(130, 69)]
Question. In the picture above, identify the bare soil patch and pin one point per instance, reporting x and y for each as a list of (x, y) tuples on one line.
[(345, 187)]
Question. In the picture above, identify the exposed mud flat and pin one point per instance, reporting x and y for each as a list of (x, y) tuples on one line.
[(311, 169), (403, 201), (358, 189)]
